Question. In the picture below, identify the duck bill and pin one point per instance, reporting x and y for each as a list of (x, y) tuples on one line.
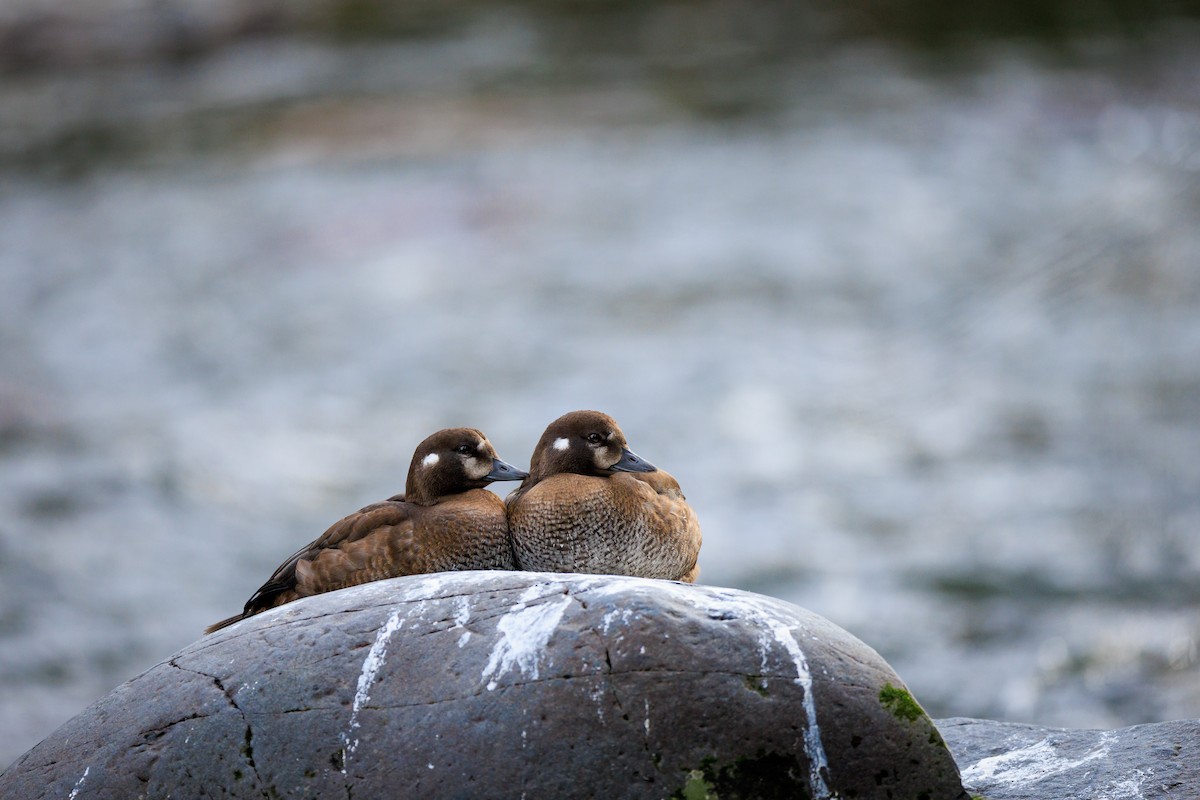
[(503, 471), (632, 462)]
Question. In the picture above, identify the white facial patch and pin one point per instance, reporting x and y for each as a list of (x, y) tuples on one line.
[(561, 444), (429, 460)]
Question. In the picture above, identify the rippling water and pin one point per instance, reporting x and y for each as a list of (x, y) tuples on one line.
[(922, 344)]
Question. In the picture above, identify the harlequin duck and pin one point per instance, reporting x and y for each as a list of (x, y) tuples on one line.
[(445, 520), (591, 505)]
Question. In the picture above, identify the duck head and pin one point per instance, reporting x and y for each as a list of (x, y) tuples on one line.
[(452, 461), (585, 443)]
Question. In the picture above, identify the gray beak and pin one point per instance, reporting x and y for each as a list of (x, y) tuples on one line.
[(502, 471), (632, 462)]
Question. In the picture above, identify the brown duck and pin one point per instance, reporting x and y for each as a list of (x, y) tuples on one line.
[(445, 520), (592, 505)]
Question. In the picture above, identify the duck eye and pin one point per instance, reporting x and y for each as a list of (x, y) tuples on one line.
[(464, 449), (594, 438)]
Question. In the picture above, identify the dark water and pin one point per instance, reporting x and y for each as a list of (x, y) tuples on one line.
[(920, 340)]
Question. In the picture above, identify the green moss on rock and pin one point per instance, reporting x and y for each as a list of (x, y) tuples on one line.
[(900, 702), (766, 776), (696, 787), (757, 684)]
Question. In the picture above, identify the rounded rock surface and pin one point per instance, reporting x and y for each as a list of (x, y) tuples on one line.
[(507, 684)]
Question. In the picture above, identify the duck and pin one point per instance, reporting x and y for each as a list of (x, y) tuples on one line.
[(592, 505), (444, 520)]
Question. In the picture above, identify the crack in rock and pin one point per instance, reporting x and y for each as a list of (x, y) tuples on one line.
[(162, 729), (247, 748)]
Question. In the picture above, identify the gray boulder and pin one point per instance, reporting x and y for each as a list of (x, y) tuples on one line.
[(507, 684), (1007, 761)]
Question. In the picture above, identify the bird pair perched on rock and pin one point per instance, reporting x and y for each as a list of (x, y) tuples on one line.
[(587, 504)]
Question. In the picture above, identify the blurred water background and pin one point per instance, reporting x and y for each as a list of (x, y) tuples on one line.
[(907, 296)]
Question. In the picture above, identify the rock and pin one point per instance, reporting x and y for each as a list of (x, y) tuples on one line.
[(1008, 761), (507, 684)]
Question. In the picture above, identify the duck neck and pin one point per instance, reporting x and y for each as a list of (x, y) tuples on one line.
[(417, 488)]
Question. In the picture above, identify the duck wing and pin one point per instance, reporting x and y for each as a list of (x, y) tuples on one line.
[(358, 548)]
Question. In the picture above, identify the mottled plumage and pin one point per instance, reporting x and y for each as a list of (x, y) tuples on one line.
[(444, 521), (591, 505)]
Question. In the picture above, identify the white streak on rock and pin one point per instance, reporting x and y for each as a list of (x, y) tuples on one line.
[(1128, 789), (622, 614), (773, 629), (813, 746), (524, 632), (405, 590), (427, 587), (1027, 765), (599, 693), (461, 618), (79, 784), (647, 716), (370, 668), (463, 615)]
